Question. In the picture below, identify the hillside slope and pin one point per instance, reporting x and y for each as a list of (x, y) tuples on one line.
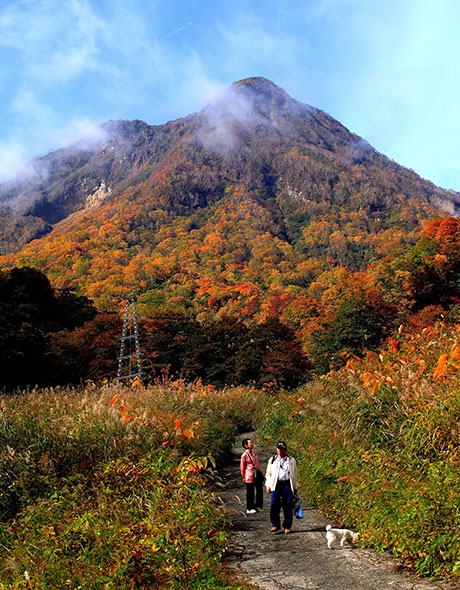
[(256, 190)]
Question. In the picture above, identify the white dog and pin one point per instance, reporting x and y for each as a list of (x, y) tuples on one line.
[(343, 535)]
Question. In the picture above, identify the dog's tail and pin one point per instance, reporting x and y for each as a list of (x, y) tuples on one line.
[(328, 527)]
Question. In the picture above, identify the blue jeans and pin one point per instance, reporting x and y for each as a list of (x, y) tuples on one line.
[(282, 498)]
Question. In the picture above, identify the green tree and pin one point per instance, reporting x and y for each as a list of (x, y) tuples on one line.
[(355, 326), (88, 352), (30, 312)]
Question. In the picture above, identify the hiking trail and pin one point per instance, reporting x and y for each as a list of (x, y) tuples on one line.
[(302, 560)]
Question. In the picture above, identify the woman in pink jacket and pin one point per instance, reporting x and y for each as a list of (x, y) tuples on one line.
[(250, 465)]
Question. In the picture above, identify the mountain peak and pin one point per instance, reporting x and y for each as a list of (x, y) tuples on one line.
[(243, 110), (257, 84), (253, 135), (261, 91)]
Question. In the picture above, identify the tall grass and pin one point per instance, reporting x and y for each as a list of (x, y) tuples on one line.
[(113, 487), (378, 445), (110, 487)]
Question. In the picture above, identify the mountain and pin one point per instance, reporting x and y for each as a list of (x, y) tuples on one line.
[(257, 190)]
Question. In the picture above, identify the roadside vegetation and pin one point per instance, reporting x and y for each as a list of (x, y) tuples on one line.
[(114, 488), (378, 447)]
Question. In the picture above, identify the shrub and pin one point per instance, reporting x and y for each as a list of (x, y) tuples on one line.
[(378, 447), (112, 487)]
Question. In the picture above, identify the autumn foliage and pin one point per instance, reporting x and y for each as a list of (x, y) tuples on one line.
[(228, 332), (378, 445), (120, 481), (296, 221)]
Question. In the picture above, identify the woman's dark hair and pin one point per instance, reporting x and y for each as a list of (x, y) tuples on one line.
[(244, 442)]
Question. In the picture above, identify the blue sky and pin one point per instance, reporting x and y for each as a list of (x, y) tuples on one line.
[(388, 70)]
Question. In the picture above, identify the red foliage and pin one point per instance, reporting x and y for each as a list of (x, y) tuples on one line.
[(443, 230)]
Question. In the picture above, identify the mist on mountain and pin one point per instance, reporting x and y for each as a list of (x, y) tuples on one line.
[(294, 160)]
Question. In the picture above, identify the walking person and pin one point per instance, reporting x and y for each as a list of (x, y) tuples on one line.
[(281, 483), (253, 477)]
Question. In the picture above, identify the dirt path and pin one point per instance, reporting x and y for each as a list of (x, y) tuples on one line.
[(302, 559)]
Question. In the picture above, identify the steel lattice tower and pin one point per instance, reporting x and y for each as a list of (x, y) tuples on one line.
[(129, 359)]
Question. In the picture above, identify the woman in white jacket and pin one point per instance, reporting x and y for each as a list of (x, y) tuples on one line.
[(281, 483)]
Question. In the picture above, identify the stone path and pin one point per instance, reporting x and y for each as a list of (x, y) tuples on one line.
[(302, 559)]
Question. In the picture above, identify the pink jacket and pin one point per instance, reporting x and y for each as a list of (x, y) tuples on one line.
[(248, 467)]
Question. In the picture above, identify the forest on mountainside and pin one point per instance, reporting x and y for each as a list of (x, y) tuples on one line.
[(262, 238), (229, 334), (295, 161), (289, 279)]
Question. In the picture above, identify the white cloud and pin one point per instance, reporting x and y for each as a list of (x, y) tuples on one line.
[(81, 130), (196, 87), (16, 158), (53, 45), (221, 115), (28, 105), (57, 41), (60, 48), (388, 71), (13, 157)]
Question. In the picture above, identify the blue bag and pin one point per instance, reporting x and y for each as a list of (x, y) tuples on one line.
[(297, 506)]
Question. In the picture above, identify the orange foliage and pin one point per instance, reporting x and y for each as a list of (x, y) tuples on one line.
[(443, 230)]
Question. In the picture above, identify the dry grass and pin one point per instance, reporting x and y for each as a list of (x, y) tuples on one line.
[(111, 487)]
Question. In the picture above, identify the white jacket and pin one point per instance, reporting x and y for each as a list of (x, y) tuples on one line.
[(273, 467)]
